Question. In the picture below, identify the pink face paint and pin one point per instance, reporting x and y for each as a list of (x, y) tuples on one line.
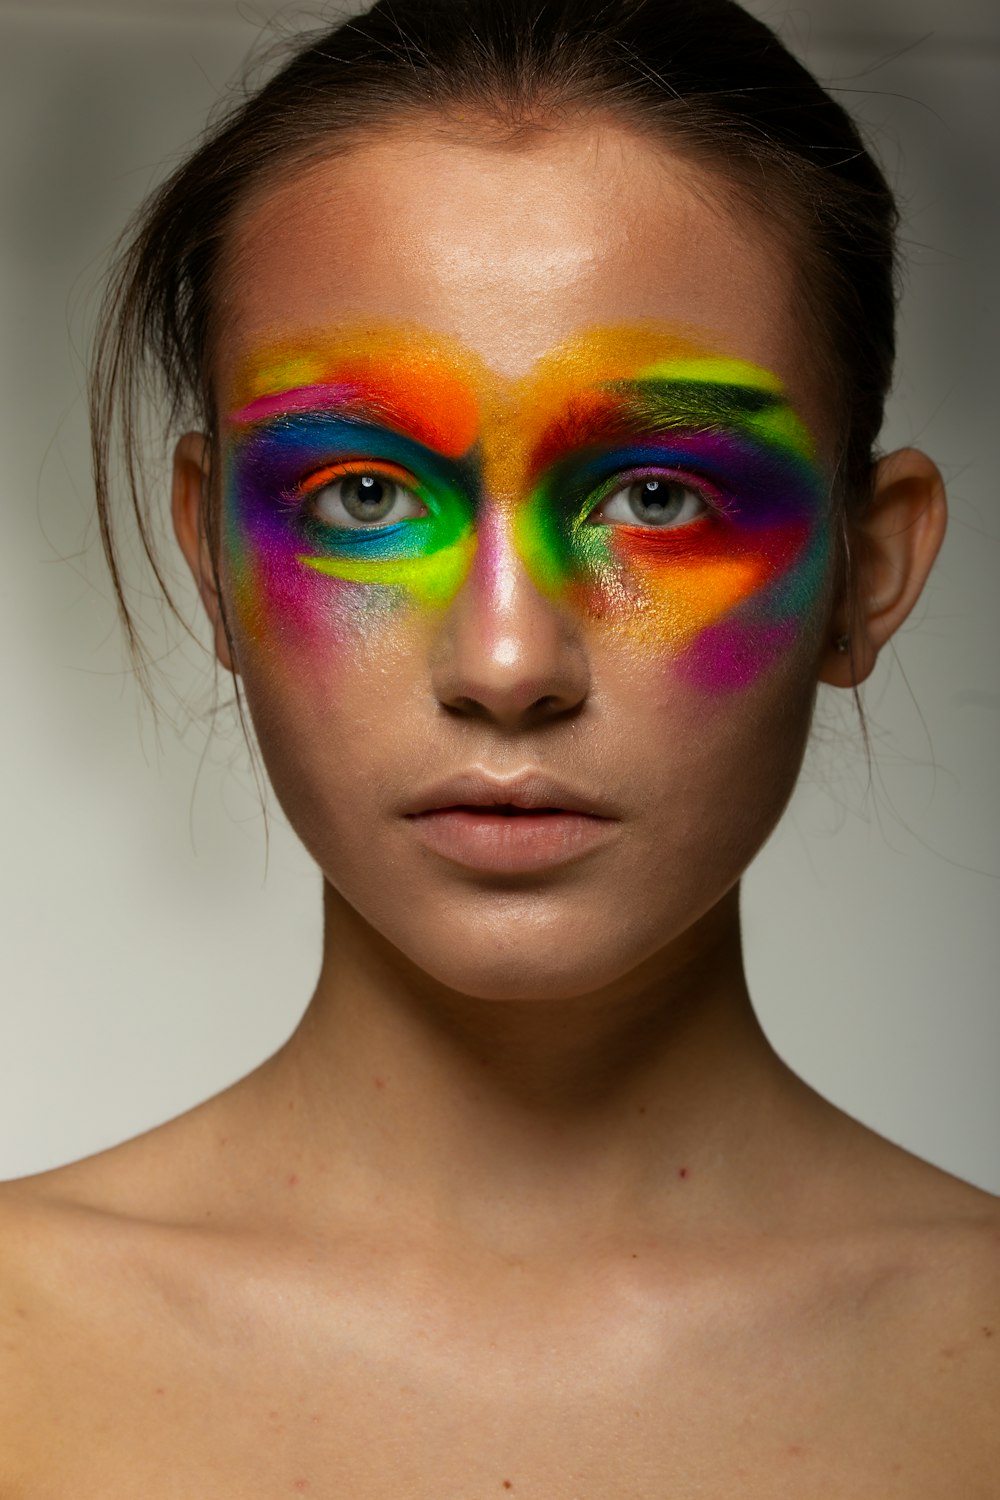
[(377, 406), (539, 472), (725, 591)]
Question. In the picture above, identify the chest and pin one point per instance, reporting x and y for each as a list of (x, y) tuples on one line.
[(390, 1409)]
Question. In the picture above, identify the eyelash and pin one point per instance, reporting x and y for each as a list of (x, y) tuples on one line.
[(378, 469), (713, 499)]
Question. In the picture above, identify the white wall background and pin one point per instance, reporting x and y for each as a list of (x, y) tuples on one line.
[(147, 958)]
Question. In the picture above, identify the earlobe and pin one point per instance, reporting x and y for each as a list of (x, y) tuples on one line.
[(190, 477), (893, 546)]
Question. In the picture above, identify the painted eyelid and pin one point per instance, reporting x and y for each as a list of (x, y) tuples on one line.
[(327, 440), (319, 479)]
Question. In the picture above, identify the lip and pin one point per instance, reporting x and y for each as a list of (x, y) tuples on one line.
[(509, 825)]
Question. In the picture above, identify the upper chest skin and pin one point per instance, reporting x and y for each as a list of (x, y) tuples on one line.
[(174, 1367)]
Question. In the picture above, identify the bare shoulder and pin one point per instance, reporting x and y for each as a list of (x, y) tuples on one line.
[(73, 1241), (166, 1176), (87, 1252), (55, 1224), (945, 1320), (952, 1260), (930, 1243), (948, 1230)]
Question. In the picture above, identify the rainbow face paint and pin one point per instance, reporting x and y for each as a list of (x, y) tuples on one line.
[(386, 405), (528, 467)]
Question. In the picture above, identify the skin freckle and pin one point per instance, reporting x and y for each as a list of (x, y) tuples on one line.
[(987, 1333)]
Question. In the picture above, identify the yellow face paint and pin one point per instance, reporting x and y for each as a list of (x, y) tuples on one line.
[(611, 412)]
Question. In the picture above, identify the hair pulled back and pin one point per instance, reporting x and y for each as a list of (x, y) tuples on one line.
[(703, 76)]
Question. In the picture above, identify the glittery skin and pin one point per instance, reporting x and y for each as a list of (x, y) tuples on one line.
[(508, 469)]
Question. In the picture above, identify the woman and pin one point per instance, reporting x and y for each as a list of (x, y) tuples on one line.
[(537, 354)]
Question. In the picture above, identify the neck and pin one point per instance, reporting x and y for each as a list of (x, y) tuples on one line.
[(512, 1121)]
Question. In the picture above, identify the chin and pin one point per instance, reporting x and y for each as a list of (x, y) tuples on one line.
[(509, 946), (525, 978)]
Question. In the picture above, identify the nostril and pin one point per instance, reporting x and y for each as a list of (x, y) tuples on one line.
[(465, 708), (547, 680)]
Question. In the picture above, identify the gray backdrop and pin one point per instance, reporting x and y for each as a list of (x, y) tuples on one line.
[(148, 954)]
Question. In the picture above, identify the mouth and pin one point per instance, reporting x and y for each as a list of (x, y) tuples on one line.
[(510, 825), (502, 810)]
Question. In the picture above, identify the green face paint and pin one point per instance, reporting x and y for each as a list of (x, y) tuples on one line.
[(613, 414)]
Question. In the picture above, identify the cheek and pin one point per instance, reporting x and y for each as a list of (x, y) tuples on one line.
[(715, 761), (717, 606), (281, 609), (779, 613), (321, 615), (326, 668), (287, 611)]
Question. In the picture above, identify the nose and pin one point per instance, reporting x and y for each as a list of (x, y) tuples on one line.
[(507, 653)]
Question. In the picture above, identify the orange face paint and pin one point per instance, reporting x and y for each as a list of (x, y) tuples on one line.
[(546, 460)]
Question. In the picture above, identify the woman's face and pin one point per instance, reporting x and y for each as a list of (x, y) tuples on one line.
[(525, 505)]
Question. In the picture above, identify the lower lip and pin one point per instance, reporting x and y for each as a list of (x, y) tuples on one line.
[(482, 840)]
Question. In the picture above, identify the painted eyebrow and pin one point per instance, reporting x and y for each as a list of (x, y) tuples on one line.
[(343, 400), (440, 420), (334, 396), (677, 401), (631, 408)]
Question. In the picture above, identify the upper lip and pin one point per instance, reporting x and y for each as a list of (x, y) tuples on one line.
[(526, 789)]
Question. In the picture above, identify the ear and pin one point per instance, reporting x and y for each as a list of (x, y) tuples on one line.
[(893, 546), (191, 469)]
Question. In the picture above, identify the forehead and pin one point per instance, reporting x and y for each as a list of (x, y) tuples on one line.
[(509, 251)]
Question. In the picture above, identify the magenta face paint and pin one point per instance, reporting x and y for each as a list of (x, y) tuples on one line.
[(669, 494)]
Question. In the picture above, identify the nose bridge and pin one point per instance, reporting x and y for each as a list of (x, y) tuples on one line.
[(508, 651), (499, 585)]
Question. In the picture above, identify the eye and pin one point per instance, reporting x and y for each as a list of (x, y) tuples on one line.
[(352, 497), (652, 502)]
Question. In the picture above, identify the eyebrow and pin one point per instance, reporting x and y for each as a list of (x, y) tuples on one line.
[(633, 407), (441, 415), (666, 405), (333, 396), (348, 401), (620, 408), (676, 399)]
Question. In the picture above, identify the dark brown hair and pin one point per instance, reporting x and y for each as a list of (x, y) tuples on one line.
[(704, 76)]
